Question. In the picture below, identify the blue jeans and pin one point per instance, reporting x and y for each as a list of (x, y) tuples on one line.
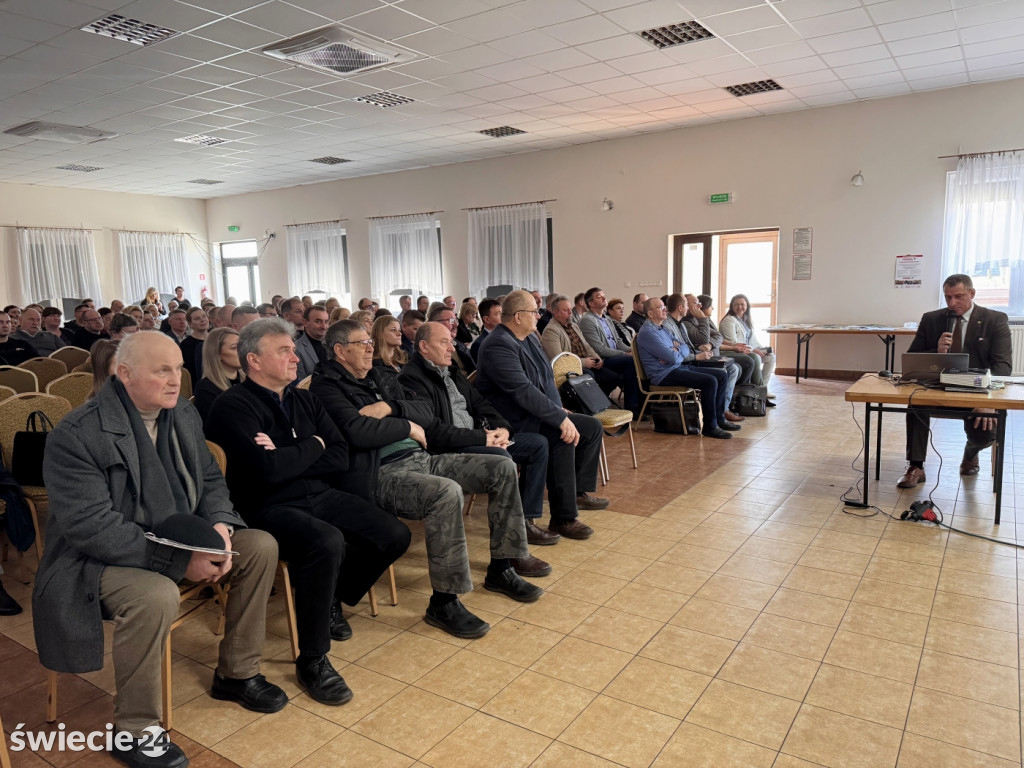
[(530, 452), (712, 383)]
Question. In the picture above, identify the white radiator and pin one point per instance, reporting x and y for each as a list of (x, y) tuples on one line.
[(1017, 337)]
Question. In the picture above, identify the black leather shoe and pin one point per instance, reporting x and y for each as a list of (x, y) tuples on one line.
[(255, 693), (10, 607), (538, 537), (322, 681), (571, 529), (586, 501), (719, 434), (340, 628), (142, 753), (531, 566), (454, 619), (728, 426), (770, 403), (511, 584)]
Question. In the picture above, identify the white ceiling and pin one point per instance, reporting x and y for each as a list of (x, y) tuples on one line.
[(565, 71)]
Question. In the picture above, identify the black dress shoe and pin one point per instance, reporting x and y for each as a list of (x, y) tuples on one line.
[(255, 693), (730, 427), (571, 529), (586, 501), (538, 537), (340, 628), (511, 584), (531, 566), (770, 403), (322, 681), (719, 434), (454, 619), (10, 607), (142, 753)]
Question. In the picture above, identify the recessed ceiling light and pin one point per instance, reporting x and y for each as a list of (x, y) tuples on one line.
[(505, 130), (385, 99), (206, 141), (204, 181), (758, 86), (675, 34), (329, 160), (65, 134), (129, 30), (81, 168)]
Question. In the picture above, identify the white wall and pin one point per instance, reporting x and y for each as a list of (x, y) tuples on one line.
[(40, 206)]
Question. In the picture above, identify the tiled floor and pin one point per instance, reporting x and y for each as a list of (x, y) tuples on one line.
[(726, 613)]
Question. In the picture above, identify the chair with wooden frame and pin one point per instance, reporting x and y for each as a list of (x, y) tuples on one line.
[(186, 384), (5, 758), (45, 369), (653, 393), (19, 379), (71, 356), (73, 387), (304, 384), (6, 392)]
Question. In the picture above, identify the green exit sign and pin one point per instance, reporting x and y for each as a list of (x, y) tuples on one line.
[(720, 197), (233, 228)]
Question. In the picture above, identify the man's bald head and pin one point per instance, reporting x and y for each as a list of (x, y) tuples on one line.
[(518, 301), (136, 347)]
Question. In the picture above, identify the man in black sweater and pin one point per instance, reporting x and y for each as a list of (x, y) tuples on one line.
[(283, 453)]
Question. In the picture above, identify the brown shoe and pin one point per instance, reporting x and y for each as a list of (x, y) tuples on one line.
[(531, 566), (913, 477), (538, 537), (586, 501), (571, 529), (969, 466), (730, 416)]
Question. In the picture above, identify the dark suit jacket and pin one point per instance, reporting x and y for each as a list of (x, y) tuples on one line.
[(987, 339)]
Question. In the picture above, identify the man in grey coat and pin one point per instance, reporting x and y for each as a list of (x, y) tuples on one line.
[(115, 469)]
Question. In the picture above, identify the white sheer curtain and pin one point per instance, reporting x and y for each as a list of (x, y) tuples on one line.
[(57, 264), (984, 227), (316, 259), (508, 245), (152, 260), (405, 254)]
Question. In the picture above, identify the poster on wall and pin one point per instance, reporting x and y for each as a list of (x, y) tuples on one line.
[(909, 271), (802, 239), (802, 266)]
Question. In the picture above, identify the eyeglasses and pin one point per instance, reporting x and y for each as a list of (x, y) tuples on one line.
[(364, 342), (449, 321), (534, 312)]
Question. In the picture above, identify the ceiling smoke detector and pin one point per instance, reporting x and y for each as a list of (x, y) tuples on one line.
[(339, 50), (65, 134)]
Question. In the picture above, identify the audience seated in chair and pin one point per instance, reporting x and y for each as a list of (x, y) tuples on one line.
[(597, 330), (13, 349), (221, 369), (389, 356), (31, 331)]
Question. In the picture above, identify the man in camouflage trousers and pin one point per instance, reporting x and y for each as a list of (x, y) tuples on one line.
[(398, 458)]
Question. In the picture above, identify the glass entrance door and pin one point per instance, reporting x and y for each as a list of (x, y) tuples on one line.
[(747, 264), (241, 271)]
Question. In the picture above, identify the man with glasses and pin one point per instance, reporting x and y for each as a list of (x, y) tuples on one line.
[(369, 305), (91, 329), (515, 376), (461, 355), (405, 304), (266, 310)]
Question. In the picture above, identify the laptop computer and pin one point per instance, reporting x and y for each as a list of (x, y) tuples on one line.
[(926, 366)]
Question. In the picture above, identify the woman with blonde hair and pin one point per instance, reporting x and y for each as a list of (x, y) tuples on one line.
[(153, 297), (339, 313), (102, 358), (468, 329), (365, 318), (135, 311), (221, 368), (388, 354)]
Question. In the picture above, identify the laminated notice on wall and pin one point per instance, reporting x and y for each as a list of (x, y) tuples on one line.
[(802, 239), (802, 266), (909, 271)]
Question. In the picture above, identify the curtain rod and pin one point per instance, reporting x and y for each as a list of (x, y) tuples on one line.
[(150, 232), (62, 229), (979, 154), (403, 215), (508, 205), (307, 223)]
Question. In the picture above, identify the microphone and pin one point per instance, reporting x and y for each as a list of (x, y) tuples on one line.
[(951, 317)]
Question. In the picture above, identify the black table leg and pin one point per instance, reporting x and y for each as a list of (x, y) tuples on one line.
[(878, 447), (804, 340), (867, 449), (997, 457), (799, 346), (890, 350)]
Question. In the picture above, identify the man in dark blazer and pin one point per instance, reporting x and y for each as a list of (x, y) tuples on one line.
[(309, 345), (460, 352), (515, 375), (982, 333), (115, 468)]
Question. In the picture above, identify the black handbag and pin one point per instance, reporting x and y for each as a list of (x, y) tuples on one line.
[(749, 400), (582, 394), (29, 447), (712, 362), (666, 418)]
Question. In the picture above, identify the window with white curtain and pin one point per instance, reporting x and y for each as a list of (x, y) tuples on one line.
[(58, 264), (508, 245), (405, 254), (152, 260), (984, 228), (318, 261)]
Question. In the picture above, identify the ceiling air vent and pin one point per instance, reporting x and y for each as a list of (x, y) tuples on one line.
[(384, 99), (505, 130), (758, 86), (129, 30), (204, 181), (65, 134), (206, 141), (80, 168), (329, 160), (338, 50), (675, 34)]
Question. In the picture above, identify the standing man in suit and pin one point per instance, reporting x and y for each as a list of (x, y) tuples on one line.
[(982, 333), (309, 346)]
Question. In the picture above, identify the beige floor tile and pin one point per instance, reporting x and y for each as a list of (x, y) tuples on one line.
[(413, 721), (966, 723), (609, 519), (994, 614), (621, 732), (788, 761), (733, 523), (768, 548), (852, 563), (791, 534), (696, 557), (849, 692), (516, 642), (909, 552), (587, 586), (555, 612), (803, 606), (756, 569), (650, 602), (845, 542), (677, 578), (619, 564), (969, 678), (714, 538), (659, 527), (689, 649), (885, 623), (483, 742), (798, 638), (282, 739), (746, 594), (367, 635), (840, 741), (527, 703), (978, 585), (469, 678), (899, 572), (729, 621), (624, 631), (920, 752), (582, 663), (770, 671), (350, 750), (884, 658), (696, 747), (882, 593), (973, 642), (560, 755), (208, 721), (407, 657), (993, 565), (661, 687), (754, 716), (819, 582), (647, 547)]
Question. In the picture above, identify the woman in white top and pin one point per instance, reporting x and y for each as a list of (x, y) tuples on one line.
[(737, 328)]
